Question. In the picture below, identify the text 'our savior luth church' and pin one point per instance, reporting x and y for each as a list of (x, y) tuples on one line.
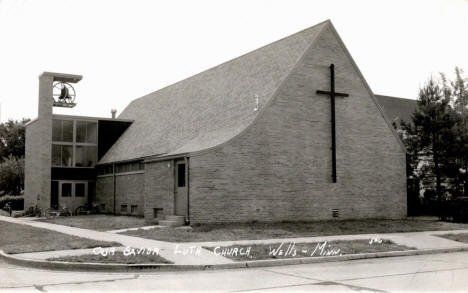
[(288, 132)]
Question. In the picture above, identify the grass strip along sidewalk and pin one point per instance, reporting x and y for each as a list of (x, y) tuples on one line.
[(290, 249), (98, 222), (257, 231), (17, 238), (118, 257), (460, 237)]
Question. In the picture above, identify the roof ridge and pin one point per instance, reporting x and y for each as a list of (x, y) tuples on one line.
[(233, 59), (224, 90)]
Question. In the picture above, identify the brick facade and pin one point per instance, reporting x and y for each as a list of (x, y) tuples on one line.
[(38, 149), (129, 191), (159, 189), (280, 167)]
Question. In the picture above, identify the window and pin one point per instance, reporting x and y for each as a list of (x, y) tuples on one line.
[(66, 189), (129, 167), (62, 155), (181, 175), (74, 143), (91, 156), (56, 130), (133, 209), (80, 156), (85, 156), (91, 132), (80, 189), (56, 155), (86, 131), (67, 130), (80, 131), (123, 209), (67, 155), (62, 130), (105, 169)]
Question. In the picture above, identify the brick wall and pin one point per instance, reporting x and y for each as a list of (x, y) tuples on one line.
[(38, 149), (32, 183), (280, 167), (129, 191), (159, 189)]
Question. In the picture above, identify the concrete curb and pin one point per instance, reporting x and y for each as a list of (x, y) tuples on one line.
[(101, 267)]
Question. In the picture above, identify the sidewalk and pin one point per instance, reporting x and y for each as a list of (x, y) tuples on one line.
[(166, 249), (423, 242)]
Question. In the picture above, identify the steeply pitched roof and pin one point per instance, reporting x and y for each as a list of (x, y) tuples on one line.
[(397, 107), (211, 107)]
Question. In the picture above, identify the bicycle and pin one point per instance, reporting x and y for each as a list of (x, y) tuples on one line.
[(61, 212), (87, 209)]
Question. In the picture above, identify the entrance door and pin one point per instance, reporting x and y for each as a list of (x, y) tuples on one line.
[(54, 194), (181, 200), (73, 194)]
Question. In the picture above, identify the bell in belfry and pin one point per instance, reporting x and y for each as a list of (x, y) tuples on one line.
[(64, 94)]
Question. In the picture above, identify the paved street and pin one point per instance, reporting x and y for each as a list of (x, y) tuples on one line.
[(439, 272)]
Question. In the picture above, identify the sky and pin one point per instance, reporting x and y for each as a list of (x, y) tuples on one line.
[(127, 49)]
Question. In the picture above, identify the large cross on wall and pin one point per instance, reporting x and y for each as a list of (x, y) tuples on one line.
[(332, 95)]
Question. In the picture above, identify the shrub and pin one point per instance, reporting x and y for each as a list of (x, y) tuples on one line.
[(16, 202)]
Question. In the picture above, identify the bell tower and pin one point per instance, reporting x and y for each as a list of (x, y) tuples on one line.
[(55, 90)]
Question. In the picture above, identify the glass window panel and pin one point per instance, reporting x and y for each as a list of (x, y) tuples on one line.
[(91, 155), (91, 132), (56, 130), (67, 156), (80, 156), (123, 208), (80, 131), (67, 134), (79, 190), (56, 155), (181, 175), (66, 189)]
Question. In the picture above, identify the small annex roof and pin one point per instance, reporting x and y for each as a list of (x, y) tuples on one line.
[(211, 107), (397, 108)]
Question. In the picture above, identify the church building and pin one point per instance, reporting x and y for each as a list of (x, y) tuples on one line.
[(288, 132)]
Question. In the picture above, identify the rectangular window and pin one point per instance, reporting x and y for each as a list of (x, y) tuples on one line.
[(80, 131), (56, 155), (66, 189), (133, 209), (67, 156), (91, 156), (80, 189), (181, 175), (91, 132), (80, 156), (56, 130), (86, 132), (123, 209), (67, 130)]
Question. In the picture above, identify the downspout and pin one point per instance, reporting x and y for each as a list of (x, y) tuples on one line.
[(113, 172), (187, 188)]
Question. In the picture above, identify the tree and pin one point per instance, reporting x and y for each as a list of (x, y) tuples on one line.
[(12, 138), (434, 124), (12, 175), (458, 92)]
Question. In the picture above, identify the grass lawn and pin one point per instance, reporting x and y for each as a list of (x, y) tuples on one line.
[(462, 237), (17, 238), (293, 250), (118, 257), (98, 222), (253, 231)]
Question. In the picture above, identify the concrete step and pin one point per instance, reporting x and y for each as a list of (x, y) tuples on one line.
[(168, 223), (178, 219)]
